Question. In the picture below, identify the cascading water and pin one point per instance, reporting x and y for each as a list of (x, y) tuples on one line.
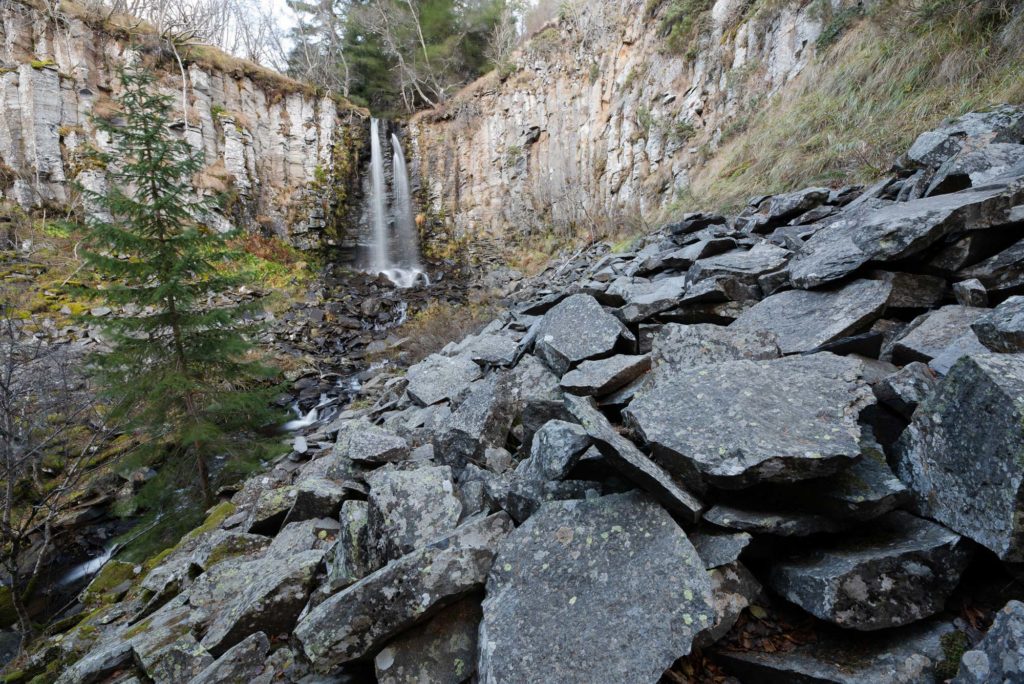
[(402, 263)]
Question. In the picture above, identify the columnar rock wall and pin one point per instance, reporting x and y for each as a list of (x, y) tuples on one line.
[(270, 143), (599, 118)]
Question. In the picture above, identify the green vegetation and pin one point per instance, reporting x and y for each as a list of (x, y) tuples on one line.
[(887, 77), (954, 645), (180, 372), (681, 22)]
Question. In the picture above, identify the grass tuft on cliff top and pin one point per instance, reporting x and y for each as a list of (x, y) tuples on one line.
[(898, 71)]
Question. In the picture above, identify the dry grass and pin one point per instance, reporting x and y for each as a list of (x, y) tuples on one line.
[(895, 74), (441, 322)]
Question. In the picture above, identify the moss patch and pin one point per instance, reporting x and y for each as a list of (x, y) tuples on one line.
[(109, 584)]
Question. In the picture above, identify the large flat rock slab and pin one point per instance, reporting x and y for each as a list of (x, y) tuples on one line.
[(961, 456), (744, 422), (896, 231), (803, 320), (603, 376), (931, 334), (360, 620), (575, 586), (440, 378), (697, 345), (576, 329), (898, 571)]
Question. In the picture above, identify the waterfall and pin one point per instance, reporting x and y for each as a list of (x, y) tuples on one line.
[(408, 240), (401, 262)]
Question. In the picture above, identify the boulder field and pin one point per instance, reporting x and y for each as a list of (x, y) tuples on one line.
[(781, 446)]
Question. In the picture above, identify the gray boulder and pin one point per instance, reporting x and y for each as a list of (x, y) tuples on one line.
[(350, 558), (970, 293), (905, 389), (645, 300), (909, 655), (899, 571), (1002, 272), (1000, 655), (573, 586), (696, 345), (973, 168), (803, 321), (556, 448), (972, 130), (718, 547), (964, 471), (363, 618), (623, 455), (896, 231), (743, 265), (316, 497), (481, 421), (441, 651), (239, 664), (744, 422), (1002, 330), (932, 333), (439, 378), (409, 508), (601, 377), (578, 328), (368, 444), (540, 396)]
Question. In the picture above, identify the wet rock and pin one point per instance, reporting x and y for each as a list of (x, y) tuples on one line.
[(779, 523), (623, 455), (555, 450), (898, 571), (733, 589), (1000, 655), (931, 333), (361, 619), (1002, 330), (239, 664), (555, 595), (247, 596), (440, 378), (895, 232), (577, 329), (696, 345), (905, 389), (904, 656), (803, 320), (350, 559), (966, 472), (718, 547), (480, 422), (368, 444), (410, 508), (970, 293), (441, 651), (744, 422), (601, 377)]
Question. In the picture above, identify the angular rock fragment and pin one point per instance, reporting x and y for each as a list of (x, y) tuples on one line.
[(410, 508), (898, 571), (98, 663), (744, 422), (904, 390), (896, 231), (912, 290), (316, 497), (246, 596), (733, 589), (745, 266), (441, 651), (931, 333), (541, 397), (578, 328), (973, 168), (909, 655), (970, 293), (1000, 655), (368, 444), (779, 523), (623, 455), (1002, 273), (597, 378), (556, 448), (1002, 330), (696, 345), (361, 619), (240, 663), (557, 597), (964, 471), (439, 378), (803, 320), (642, 302), (718, 547), (965, 344), (864, 491), (350, 559), (480, 422)]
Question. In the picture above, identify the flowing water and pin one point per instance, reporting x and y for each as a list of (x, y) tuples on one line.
[(393, 253)]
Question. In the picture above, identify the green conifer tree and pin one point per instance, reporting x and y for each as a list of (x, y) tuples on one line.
[(180, 364)]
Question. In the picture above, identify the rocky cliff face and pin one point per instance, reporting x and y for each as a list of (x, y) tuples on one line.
[(279, 151), (599, 118)]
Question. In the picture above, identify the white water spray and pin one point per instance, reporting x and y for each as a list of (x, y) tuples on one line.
[(403, 268)]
